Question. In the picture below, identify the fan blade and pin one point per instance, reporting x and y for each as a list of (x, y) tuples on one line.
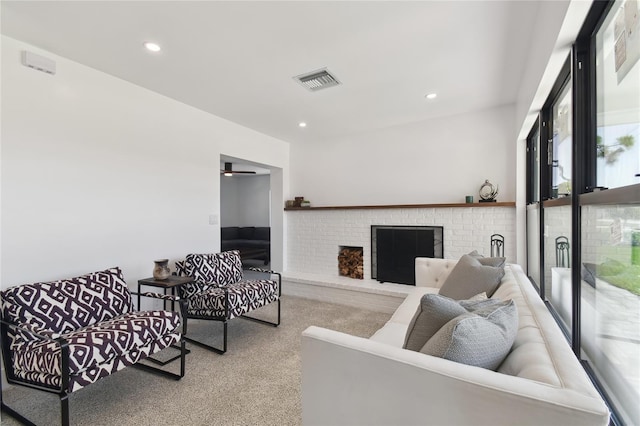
[(229, 170)]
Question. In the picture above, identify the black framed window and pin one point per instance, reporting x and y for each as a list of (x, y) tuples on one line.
[(562, 142), (557, 132), (587, 216), (608, 285), (533, 204), (556, 230), (610, 295), (617, 74), (533, 165)]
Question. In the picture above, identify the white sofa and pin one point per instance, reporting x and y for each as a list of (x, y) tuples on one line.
[(348, 380)]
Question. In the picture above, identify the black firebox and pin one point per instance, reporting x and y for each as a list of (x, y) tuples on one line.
[(395, 248)]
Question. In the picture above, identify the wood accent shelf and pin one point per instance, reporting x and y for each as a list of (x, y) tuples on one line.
[(405, 206)]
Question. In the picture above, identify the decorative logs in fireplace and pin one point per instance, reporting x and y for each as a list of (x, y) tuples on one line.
[(350, 262)]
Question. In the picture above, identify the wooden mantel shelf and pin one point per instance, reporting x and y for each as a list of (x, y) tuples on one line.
[(405, 206)]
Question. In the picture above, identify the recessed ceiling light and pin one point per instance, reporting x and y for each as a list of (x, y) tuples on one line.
[(152, 47), (431, 96), (302, 124)]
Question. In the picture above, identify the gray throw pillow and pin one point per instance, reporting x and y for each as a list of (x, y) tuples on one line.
[(469, 277), (497, 262), (588, 273), (482, 338), (473, 305), (433, 313)]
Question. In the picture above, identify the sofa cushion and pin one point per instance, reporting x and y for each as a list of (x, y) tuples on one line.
[(246, 233), (243, 244), (211, 270), (469, 277), (262, 233), (97, 343), (228, 245), (66, 305), (482, 338), (97, 350), (229, 233), (243, 296), (433, 313)]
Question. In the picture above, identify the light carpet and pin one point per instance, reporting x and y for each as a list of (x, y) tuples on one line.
[(257, 382)]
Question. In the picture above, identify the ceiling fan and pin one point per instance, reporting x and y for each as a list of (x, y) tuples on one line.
[(228, 171)]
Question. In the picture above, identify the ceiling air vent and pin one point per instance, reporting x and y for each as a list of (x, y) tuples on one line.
[(317, 80)]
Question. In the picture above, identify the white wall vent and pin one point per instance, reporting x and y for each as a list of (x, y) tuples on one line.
[(37, 62), (317, 80)]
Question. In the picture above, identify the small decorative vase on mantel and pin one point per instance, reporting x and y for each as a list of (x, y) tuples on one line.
[(488, 192), (161, 270)]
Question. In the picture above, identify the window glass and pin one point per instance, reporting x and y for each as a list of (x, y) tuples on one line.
[(535, 166), (557, 261), (610, 302), (533, 242), (618, 96), (561, 165)]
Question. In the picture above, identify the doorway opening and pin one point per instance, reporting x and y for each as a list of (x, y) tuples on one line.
[(246, 211)]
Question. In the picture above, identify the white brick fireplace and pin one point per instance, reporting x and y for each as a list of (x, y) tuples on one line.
[(314, 237)]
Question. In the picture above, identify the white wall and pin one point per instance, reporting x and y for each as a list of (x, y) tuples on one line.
[(561, 21), (434, 161), (545, 57), (98, 172), (244, 200)]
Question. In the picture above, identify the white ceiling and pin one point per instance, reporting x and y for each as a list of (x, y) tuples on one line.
[(236, 59)]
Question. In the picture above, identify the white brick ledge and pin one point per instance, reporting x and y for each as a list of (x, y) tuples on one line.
[(366, 293), (351, 284), (314, 237)]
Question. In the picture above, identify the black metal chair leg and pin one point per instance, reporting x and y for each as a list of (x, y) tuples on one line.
[(10, 411), (13, 413), (183, 353), (64, 409), (225, 336), (209, 347), (261, 321)]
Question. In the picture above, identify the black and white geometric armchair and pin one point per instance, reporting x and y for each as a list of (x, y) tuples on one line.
[(220, 292), (61, 336)]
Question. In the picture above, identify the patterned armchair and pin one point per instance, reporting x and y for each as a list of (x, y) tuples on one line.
[(221, 293), (61, 336)]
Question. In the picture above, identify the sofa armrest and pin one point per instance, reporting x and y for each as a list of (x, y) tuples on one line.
[(267, 271), (43, 335), (37, 332), (153, 295), (432, 272), (181, 302), (348, 380), (264, 271)]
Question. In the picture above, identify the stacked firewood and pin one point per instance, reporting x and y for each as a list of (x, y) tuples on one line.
[(350, 262)]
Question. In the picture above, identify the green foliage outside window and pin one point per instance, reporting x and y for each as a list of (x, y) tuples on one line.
[(611, 152)]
